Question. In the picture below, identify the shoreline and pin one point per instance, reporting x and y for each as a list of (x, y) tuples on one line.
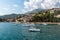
[(40, 22)]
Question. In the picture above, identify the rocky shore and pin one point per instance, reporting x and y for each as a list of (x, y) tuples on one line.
[(41, 22)]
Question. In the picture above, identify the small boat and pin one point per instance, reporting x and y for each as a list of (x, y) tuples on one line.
[(58, 23), (34, 30), (28, 24), (44, 23)]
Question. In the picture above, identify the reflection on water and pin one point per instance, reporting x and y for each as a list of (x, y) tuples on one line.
[(15, 31)]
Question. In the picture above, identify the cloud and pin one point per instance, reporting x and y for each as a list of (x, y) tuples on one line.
[(59, 1), (43, 4), (32, 4), (15, 5), (5, 8), (49, 4)]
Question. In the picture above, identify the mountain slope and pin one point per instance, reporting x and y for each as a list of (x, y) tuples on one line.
[(11, 16)]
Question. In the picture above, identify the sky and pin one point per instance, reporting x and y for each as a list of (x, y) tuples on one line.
[(23, 6)]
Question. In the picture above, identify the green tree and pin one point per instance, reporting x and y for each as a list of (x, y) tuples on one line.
[(1, 20), (44, 17)]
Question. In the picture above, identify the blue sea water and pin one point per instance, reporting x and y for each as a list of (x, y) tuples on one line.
[(16, 31)]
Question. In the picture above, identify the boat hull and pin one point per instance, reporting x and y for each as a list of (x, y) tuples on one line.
[(34, 30)]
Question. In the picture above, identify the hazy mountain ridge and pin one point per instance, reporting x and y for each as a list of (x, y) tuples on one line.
[(11, 16), (30, 12)]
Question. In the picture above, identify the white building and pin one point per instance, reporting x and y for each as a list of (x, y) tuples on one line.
[(52, 11)]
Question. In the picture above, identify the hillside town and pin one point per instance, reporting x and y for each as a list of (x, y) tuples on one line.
[(28, 17)]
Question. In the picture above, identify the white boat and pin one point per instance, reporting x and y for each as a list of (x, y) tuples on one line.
[(44, 23), (34, 30), (28, 24), (58, 23)]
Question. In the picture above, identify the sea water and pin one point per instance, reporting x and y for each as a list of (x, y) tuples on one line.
[(16, 31)]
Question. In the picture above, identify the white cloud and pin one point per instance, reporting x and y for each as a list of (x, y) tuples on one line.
[(1, 13), (35, 4), (5, 8), (59, 1), (32, 4), (49, 4), (15, 5)]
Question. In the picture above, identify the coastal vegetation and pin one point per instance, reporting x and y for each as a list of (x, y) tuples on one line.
[(50, 15), (1, 20), (44, 17)]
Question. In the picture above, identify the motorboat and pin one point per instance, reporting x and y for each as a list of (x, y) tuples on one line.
[(28, 24), (44, 23), (58, 23), (34, 30)]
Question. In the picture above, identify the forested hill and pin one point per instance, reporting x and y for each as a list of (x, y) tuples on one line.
[(11, 16), (37, 15)]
